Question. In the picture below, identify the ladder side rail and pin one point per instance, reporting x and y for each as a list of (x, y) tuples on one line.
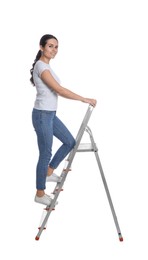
[(105, 183), (74, 150), (44, 222), (84, 124), (49, 209), (56, 193), (108, 195), (80, 134)]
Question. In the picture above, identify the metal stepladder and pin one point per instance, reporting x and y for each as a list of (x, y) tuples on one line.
[(79, 147)]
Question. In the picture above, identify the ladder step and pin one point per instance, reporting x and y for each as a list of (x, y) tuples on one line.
[(86, 147)]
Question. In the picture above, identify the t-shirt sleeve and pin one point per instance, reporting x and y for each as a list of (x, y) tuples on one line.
[(40, 68)]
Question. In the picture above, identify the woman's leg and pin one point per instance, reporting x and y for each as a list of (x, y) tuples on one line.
[(43, 124), (62, 133)]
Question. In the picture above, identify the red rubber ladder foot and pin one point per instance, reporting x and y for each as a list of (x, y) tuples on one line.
[(120, 237), (36, 238)]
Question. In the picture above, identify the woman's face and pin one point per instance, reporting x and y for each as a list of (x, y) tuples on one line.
[(51, 48)]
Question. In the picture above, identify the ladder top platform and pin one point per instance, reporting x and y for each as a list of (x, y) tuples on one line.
[(85, 147)]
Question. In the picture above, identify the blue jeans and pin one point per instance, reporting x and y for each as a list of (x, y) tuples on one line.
[(47, 125)]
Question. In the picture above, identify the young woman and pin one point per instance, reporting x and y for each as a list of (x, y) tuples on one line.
[(45, 121)]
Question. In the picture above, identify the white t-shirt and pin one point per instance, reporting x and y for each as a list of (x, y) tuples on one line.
[(46, 98)]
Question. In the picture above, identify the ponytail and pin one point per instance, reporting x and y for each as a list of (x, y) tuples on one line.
[(38, 56)]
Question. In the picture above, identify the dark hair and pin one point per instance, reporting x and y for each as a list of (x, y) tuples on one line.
[(42, 42)]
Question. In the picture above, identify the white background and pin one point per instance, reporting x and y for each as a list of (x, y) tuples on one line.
[(103, 54)]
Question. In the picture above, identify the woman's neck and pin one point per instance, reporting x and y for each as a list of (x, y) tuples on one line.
[(45, 60)]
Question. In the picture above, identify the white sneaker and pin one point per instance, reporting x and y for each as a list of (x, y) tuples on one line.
[(54, 178), (46, 199)]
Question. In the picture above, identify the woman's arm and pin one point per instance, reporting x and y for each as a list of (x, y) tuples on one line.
[(49, 80)]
